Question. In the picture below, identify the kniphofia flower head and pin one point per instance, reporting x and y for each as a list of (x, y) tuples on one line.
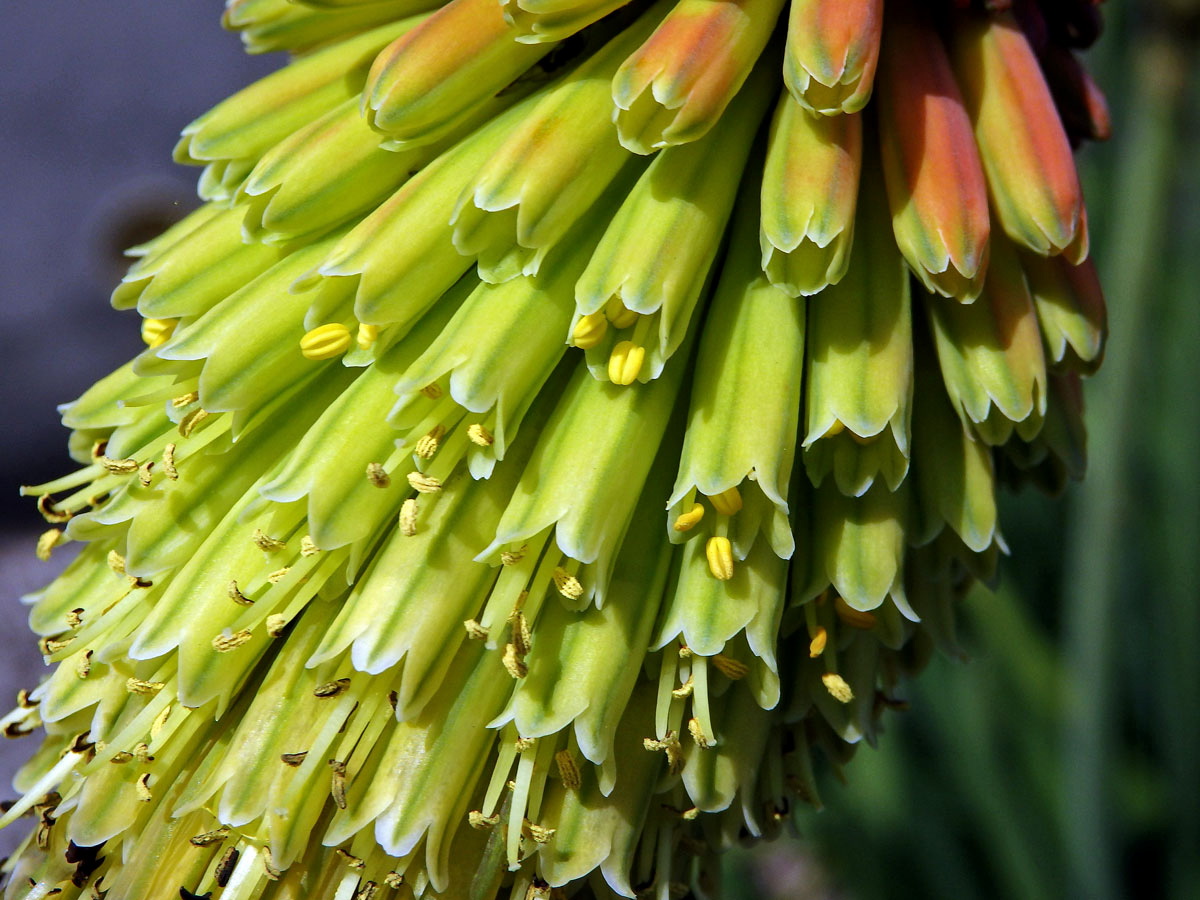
[(560, 430)]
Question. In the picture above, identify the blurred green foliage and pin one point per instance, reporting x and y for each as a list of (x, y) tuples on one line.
[(1063, 761)]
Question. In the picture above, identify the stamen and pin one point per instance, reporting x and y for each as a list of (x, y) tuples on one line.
[(690, 519), (46, 542), (237, 596), (159, 721), (308, 547), (266, 543), (144, 473), (568, 770), (625, 362), (719, 552), (727, 502), (278, 575), (75, 617), (513, 663), (568, 585), (143, 788), (293, 759), (169, 462), (137, 686), (837, 686), (478, 820), (185, 399), (352, 861), (475, 631), (223, 643), (157, 331), (325, 341), (275, 624), (393, 880), (210, 837), (428, 444), (512, 557), (119, 466), (83, 665), (46, 507), (377, 475), (670, 744), (367, 335), (619, 314), (684, 690), (423, 484), (817, 645), (480, 435), (432, 391), (589, 331), (408, 517), (338, 782), (331, 688), (189, 422)]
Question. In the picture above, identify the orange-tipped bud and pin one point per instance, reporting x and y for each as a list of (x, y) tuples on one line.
[(1030, 171), (675, 86), (429, 80), (832, 50), (935, 182)]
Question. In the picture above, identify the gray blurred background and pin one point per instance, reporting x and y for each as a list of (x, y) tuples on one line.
[(93, 97), (1063, 761)]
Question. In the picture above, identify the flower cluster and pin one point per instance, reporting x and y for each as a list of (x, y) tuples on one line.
[(388, 590)]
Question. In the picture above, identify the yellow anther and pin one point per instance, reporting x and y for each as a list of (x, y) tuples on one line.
[(189, 422), (856, 618), (475, 631), (308, 547), (696, 730), (690, 519), (428, 444), (835, 429), (568, 770), (354, 862), (423, 484), (137, 686), (46, 507), (325, 341), (719, 552), (143, 788), (589, 331), (83, 665), (275, 624), (513, 663), (75, 617), (525, 744), (185, 399), (266, 543), (278, 575), (223, 643), (817, 645), (119, 466), (367, 335), (568, 585), (731, 668), (540, 834), (46, 542), (144, 473), (512, 557), (684, 690), (669, 744), (476, 819), (837, 686), (377, 475), (210, 837), (480, 435), (619, 314), (432, 391), (625, 362), (331, 688), (50, 646), (727, 502), (157, 331), (408, 517), (337, 790), (169, 462), (293, 759), (159, 721)]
